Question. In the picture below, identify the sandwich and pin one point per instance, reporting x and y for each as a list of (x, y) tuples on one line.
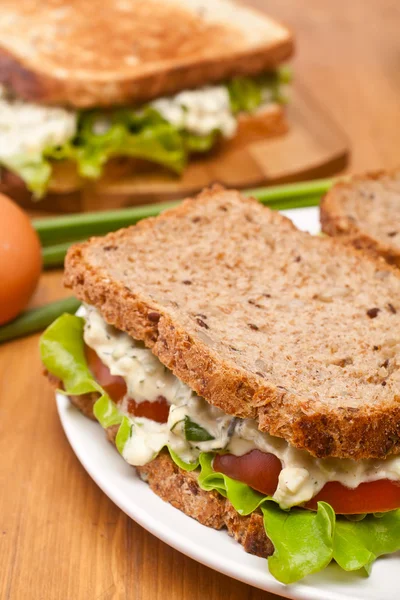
[(364, 212), (249, 372), (96, 90)]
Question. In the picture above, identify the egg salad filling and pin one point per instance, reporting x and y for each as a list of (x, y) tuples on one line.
[(195, 426), (300, 497), (165, 131)]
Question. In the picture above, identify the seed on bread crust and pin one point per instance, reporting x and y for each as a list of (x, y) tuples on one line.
[(153, 316)]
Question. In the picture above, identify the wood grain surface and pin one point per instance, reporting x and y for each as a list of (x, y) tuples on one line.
[(60, 537)]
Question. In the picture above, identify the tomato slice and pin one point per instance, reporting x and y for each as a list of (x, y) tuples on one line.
[(369, 497), (158, 410), (261, 470), (258, 469), (115, 387)]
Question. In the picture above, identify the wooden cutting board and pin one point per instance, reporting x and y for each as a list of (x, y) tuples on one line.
[(315, 146)]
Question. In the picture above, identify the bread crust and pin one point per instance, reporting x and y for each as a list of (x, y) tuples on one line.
[(181, 489), (336, 222), (201, 50), (344, 431)]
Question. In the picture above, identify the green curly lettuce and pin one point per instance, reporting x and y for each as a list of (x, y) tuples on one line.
[(305, 541), (145, 136), (248, 93), (34, 168)]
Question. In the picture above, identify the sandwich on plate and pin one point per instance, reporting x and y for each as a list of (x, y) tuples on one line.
[(364, 212), (249, 371), (95, 88)]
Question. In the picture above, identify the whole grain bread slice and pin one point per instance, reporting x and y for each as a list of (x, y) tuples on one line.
[(365, 212), (107, 52), (262, 320)]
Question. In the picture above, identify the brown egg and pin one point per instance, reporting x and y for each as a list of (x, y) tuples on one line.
[(20, 259)]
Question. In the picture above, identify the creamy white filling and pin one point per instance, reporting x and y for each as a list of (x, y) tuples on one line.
[(146, 377), (27, 128), (199, 111), (302, 475)]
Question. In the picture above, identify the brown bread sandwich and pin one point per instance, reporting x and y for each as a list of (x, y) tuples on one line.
[(249, 371)]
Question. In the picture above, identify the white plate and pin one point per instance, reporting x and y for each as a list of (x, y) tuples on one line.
[(213, 548)]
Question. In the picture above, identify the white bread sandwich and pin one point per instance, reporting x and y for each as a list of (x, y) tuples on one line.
[(364, 211), (104, 88), (250, 373)]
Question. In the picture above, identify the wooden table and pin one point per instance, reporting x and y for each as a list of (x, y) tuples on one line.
[(60, 537)]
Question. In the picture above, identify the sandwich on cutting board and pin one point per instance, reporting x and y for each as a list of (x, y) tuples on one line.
[(90, 89), (249, 371)]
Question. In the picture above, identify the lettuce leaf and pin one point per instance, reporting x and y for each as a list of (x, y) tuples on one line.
[(124, 433), (305, 541), (63, 354), (107, 413), (196, 144), (147, 137), (248, 93), (245, 94), (243, 498), (357, 544), (33, 168)]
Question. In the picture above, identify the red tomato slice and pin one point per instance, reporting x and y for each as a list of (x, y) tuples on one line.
[(258, 469), (158, 410), (373, 496), (261, 471), (115, 387)]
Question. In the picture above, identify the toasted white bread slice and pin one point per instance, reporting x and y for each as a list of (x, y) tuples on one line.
[(107, 52)]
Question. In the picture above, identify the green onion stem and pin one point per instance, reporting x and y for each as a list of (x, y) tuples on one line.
[(37, 319), (53, 256), (57, 230), (291, 191), (53, 230)]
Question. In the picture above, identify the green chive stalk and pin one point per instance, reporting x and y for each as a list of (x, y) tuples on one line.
[(58, 230), (37, 319)]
